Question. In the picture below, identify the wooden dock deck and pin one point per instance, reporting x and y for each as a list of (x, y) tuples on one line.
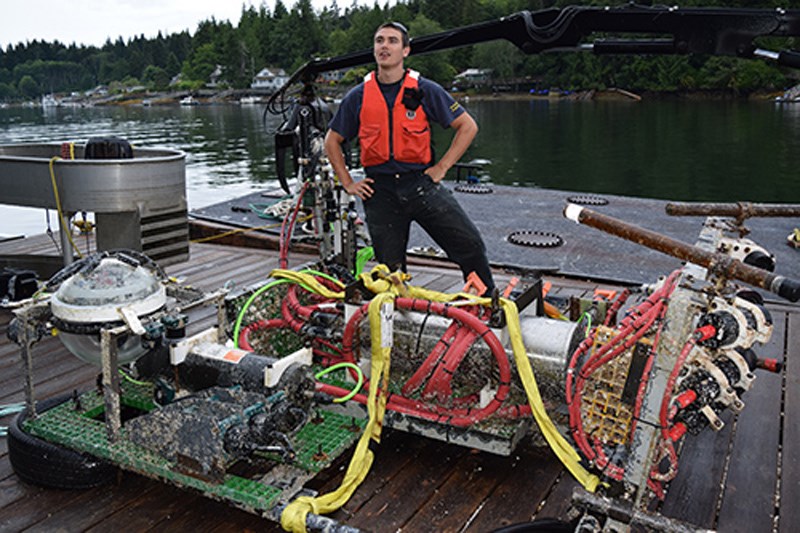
[(745, 478)]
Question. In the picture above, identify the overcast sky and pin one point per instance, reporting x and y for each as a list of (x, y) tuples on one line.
[(91, 22)]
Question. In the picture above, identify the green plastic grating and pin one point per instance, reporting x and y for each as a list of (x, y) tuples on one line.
[(317, 444)]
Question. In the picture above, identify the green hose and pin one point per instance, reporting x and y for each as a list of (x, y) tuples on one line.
[(363, 255), (238, 325), (337, 366)]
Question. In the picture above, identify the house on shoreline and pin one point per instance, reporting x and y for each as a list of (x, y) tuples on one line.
[(269, 79)]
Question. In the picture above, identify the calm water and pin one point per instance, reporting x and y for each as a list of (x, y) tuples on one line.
[(710, 151)]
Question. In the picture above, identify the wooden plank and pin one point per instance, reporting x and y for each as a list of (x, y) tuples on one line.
[(694, 493), (214, 516), (81, 378), (748, 498), (532, 474), (5, 465), (559, 500), (232, 269), (51, 360), (410, 489), (41, 504), (34, 244), (790, 459), (90, 507), (150, 510), (242, 266), (208, 516), (450, 505), (446, 282), (397, 452), (424, 278), (13, 490)]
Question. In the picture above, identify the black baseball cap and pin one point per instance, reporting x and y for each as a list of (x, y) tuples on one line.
[(399, 27)]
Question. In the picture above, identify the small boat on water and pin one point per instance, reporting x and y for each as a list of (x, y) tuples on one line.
[(791, 96), (48, 100), (189, 100)]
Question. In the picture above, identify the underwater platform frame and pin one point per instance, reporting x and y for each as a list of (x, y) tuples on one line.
[(743, 478)]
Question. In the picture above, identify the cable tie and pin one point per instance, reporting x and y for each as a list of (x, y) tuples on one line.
[(648, 423)]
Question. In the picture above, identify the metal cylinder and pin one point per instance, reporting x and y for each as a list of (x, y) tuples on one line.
[(549, 342), (139, 203)]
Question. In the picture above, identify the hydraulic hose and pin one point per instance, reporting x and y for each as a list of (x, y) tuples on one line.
[(244, 341), (456, 417), (240, 317), (286, 232), (429, 364), (337, 366), (304, 278), (630, 330)]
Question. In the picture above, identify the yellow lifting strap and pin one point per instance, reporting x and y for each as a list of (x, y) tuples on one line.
[(294, 515), (563, 450), (387, 286), (308, 280)]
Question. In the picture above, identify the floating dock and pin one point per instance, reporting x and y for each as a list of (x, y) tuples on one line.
[(742, 478), (525, 227)]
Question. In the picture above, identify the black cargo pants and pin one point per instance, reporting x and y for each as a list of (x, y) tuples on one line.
[(402, 198)]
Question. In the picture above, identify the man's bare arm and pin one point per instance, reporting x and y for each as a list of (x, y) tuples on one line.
[(333, 148), (466, 129)]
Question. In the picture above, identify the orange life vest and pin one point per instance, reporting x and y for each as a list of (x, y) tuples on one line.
[(409, 130)]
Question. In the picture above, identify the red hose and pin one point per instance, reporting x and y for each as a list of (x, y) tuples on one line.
[(612, 311), (286, 233), (429, 364), (439, 386), (244, 341), (633, 327), (402, 404)]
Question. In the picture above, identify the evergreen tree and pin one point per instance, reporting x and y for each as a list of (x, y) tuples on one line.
[(293, 33)]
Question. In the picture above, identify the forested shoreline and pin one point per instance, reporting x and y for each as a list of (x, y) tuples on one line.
[(288, 35)]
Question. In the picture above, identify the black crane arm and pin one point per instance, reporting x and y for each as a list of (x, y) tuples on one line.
[(672, 30), (635, 29)]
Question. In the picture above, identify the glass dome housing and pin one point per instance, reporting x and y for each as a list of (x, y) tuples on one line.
[(88, 347), (96, 296)]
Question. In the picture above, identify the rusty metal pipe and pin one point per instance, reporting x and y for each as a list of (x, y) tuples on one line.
[(716, 263), (738, 210), (621, 512)]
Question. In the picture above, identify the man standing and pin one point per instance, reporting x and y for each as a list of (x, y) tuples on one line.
[(390, 113)]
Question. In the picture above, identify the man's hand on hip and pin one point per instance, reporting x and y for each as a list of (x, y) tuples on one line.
[(360, 188), (436, 172)]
